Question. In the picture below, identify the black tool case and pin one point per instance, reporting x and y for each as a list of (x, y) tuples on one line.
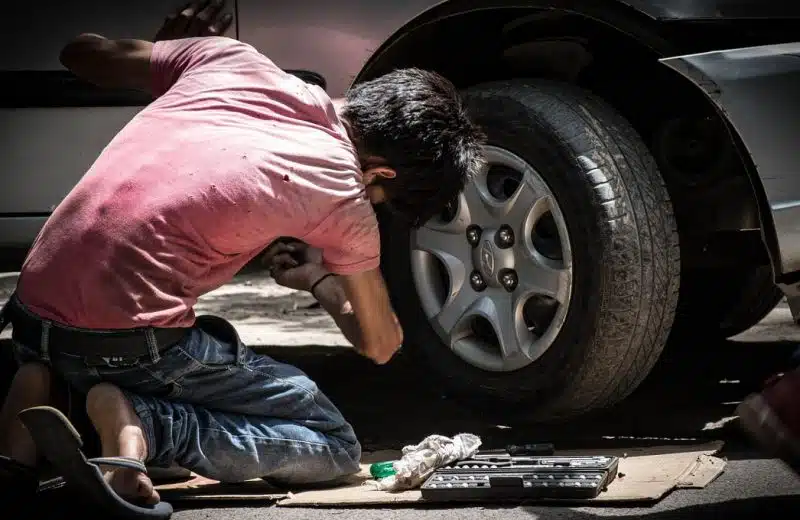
[(521, 477)]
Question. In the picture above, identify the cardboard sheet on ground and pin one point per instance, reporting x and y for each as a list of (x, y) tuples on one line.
[(645, 474)]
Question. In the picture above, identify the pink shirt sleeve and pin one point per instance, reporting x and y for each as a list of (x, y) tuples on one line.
[(349, 238), (171, 59)]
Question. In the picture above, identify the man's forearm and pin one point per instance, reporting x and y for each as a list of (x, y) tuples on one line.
[(330, 294), (109, 63)]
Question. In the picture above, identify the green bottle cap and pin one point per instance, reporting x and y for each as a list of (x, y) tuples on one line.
[(381, 470)]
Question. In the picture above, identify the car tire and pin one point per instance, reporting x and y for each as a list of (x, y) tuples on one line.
[(726, 302), (624, 249)]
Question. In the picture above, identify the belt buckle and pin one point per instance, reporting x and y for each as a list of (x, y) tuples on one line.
[(112, 361)]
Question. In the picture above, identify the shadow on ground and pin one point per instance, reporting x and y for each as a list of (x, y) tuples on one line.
[(691, 395)]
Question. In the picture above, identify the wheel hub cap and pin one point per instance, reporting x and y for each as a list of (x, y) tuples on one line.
[(487, 261)]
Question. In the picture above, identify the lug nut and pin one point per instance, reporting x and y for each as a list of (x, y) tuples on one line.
[(473, 235), (504, 238), (508, 279), (476, 281)]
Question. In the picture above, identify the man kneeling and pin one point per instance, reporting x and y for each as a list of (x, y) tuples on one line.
[(232, 154)]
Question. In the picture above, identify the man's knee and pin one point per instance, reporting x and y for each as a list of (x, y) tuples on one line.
[(345, 454), (346, 438), (319, 468), (353, 463), (283, 453)]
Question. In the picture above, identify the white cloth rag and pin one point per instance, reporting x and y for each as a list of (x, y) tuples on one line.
[(418, 462)]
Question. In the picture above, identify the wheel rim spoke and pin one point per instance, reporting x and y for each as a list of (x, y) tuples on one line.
[(486, 209), (443, 241), (537, 277), (452, 320), (482, 206), (505, 318), (520, 205)]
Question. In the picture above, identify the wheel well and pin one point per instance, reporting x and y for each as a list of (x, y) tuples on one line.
[(716, 205)]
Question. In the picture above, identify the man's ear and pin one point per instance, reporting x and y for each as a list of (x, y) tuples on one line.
[(381, 171)]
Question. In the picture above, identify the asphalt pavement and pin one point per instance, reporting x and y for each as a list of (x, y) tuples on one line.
[(689, 398)]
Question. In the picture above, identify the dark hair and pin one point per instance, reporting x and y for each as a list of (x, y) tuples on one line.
[(415, 120)]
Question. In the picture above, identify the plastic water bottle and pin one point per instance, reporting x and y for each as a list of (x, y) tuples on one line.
[(381, 470)]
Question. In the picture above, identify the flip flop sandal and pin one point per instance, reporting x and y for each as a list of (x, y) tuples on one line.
[(59, 442)]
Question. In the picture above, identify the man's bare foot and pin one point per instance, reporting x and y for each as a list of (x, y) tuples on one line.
[(121, 435), (31, 387)]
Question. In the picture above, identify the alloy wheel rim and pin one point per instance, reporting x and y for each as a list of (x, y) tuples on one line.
[(497, 263)]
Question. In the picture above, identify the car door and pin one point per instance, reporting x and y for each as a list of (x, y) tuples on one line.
[(54, 126)]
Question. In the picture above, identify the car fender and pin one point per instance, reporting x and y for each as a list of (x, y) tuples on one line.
[(343, 41), (755, 89)]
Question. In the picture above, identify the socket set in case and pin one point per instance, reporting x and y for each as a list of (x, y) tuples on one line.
[(522, 477)]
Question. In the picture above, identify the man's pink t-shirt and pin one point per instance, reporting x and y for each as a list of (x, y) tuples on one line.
[(231, 154)]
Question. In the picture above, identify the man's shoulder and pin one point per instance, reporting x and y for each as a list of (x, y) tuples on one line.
[(208, 44), (210, 53), (224, 44)]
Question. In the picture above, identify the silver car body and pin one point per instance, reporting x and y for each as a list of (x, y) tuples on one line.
[(756, 89)]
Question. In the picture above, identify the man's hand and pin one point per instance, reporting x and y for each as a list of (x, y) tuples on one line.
[(294, 264), (358, 303), (198, 18)]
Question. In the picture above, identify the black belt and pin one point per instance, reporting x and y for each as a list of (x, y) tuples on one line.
[(28, 330)]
